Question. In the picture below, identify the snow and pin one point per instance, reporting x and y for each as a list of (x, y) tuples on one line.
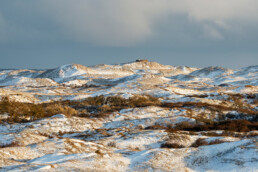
[(137, 150), (59, 158), (124, 140), (6, 139), (230, 156)]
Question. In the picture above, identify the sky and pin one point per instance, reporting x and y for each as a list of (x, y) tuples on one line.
[(197, 33)]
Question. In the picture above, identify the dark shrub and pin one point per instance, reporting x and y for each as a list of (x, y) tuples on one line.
[(155, 127), (217, 141), (172, 145), (230, 125), (203, 142), (199, 142), (96, 101), (183, 125)]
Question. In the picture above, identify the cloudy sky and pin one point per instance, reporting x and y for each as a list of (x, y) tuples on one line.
[(49, 33)]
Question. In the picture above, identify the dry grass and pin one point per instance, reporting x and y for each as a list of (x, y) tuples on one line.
[(25, 112), (119, 102), (101, 106), (238, 106), (58, 108), (174, 140)]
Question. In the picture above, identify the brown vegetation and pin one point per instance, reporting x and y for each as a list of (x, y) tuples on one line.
[(230, 125), (12, 144), (120, 102), (237, 106), (24, 112), (171, 145), (231, 134), (203, 142), (199, 142), (99, 106)]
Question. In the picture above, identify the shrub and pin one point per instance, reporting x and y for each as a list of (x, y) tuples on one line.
[(116, 101), (237, 105), (199, 142), (203, 142), (101, 105), (57, 108), (20, 112), (171, 145), (97, 101), (155, 127), (24, 112), (236, 125), (98, 106), (231, 125), (143, 101), (178, 137), (183, 125)]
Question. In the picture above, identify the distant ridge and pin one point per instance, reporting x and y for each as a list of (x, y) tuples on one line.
[(79, 74)]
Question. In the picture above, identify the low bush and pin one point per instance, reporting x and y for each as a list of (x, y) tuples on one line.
[(117, 101), (100, 104), (25, 112), (203, 142), (199, 142), (143, 101), (58, 108), (171, 145), (21, 112), (155, 127), (237, 105), (183, 125), (231, 125)]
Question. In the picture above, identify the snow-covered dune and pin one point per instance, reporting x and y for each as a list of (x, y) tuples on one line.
[(136, 116), (64, 71)]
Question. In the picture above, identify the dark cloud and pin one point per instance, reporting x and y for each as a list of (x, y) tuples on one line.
[(182, 32)]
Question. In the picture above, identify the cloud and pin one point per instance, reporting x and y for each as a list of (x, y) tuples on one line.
[(130, 22), (115, 22), (212, 32), (126, 22)]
